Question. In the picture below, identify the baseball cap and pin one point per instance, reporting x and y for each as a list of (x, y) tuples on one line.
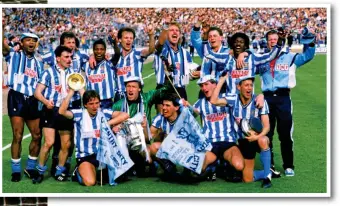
[(238, 81), (28, 35), (132, 79), (206, 78)]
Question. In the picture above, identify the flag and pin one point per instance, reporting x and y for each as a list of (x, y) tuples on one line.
[(186, 144), (238, 12), (109, 153)]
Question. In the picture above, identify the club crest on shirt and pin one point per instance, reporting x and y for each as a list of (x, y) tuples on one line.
[(97, 133), (57, 88), (238, 120), (102, 68), (235, 74), (178, 66), (123, 70), (95, 78), (31, 73), (215, 117)]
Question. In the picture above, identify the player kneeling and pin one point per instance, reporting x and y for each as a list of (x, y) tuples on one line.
[(87, 122), (251, 131)]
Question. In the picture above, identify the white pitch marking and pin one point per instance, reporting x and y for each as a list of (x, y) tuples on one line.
[(28, 135)]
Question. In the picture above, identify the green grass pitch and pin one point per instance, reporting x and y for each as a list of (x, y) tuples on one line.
[(310, 149)]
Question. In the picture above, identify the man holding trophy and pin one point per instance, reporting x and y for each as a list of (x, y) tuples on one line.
[(251, 124), (51, 90)]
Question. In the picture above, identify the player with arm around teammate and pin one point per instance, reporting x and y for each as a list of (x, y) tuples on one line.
[(244, 109), (218, 127)]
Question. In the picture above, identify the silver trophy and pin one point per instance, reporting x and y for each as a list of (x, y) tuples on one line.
[(252, 124), (133, 135)]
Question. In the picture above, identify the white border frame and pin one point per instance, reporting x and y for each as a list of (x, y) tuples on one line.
[(328, 87)]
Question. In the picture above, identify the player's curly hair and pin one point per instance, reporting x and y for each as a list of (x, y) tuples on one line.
[(99, 41), (239, 35)]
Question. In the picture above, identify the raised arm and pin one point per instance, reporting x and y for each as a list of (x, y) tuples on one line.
[(214, 99), (161, 41), (306, 56), (151, 32), (113, 39), (64, 105), (199, 43), (196, 40), (163, 35)]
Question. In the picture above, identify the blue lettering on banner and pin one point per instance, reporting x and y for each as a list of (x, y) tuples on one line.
[(194, 163), (115, 161), (110, 137), (122, 158), (203, 146)]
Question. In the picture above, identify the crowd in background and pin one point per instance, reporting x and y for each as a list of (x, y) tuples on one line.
[(90, 24)]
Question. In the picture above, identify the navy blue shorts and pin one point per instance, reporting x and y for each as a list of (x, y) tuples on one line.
[(91, 159), (220, 147), (51, 118), (23, 106), (248, 149)]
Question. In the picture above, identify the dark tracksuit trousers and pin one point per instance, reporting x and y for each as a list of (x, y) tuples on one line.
[(280, 116)]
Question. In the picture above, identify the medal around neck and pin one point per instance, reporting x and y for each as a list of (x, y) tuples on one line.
[(76, 81)]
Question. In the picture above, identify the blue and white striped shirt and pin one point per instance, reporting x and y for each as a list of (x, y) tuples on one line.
[(23, 72), (51, 78), (87, 146), (129, 65), (79, 60), (250, 69), (202, 47), (217, 121), (101, 79), (160, 122), (179, 59), (280, 72), (241, 111), (208, 67)]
